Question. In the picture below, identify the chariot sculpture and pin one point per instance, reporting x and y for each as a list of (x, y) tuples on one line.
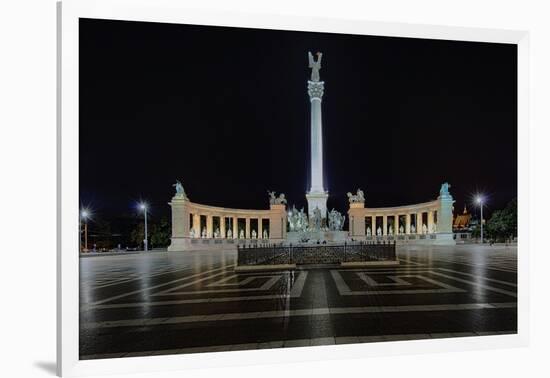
[(356, 198), (274, 200)]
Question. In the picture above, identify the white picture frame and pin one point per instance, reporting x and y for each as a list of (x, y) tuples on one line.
[(173, 11)]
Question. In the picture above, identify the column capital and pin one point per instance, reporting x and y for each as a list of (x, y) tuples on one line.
[(315, 89)]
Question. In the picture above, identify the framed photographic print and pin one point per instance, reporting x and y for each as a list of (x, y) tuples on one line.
[(285, 188)]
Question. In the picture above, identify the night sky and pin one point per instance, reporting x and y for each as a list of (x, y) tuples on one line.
[(226, 111)]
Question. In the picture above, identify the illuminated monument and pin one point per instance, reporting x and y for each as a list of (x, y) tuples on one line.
[(198, 226), (316, 196)]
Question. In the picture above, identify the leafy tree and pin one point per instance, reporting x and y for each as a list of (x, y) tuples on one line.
[(503, 223), (160, 234), (138, 234)]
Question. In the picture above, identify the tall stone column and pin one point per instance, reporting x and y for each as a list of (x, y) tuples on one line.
[(235, 227), (209, 226), (396, 224), (222, 226), (197, 225), (384, 225), (317, 196), (247, 229), (407, 223), (430, 220), (260, 229), (419, 223)]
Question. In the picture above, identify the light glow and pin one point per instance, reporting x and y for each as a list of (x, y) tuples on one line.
[(85, 213)]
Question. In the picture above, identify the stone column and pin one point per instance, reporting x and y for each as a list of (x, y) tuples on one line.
[(197, 225), (407, 223), (396, 224), (222, 226), (430, 220), (419, 223), (384, 225), (235, 227), (260, 229), (373, 225), (209, 226), (317, 196), (247, 229)]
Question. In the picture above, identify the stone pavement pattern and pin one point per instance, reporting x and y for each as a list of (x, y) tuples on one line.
[(189, 302)]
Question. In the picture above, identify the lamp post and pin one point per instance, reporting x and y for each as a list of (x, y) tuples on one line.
[(143, 206), (84, 214), (479, 201)]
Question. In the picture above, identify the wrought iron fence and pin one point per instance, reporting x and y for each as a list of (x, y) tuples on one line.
[(275, 254)]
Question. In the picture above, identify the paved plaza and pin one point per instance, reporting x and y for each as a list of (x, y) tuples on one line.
[(187, 302)]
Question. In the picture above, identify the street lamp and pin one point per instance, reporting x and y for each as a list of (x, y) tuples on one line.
[(143, 207), (479, 201), (84, 215)]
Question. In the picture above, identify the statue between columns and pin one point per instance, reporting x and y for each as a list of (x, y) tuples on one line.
[(315, 65)]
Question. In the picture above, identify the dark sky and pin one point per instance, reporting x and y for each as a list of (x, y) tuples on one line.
[(226, 111)]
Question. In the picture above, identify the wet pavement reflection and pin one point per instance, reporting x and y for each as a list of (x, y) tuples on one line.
[(165, 303)]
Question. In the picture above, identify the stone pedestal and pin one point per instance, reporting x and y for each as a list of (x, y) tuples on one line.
[(277, 223), (317, 199), (312, 237), (180, 223), (356, 219), (444, 234)]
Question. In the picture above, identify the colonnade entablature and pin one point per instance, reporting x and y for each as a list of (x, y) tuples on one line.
[(195, 224)]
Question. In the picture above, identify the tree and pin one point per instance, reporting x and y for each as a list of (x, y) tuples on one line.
[(138, 234), (160, 233), (502, 225)]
